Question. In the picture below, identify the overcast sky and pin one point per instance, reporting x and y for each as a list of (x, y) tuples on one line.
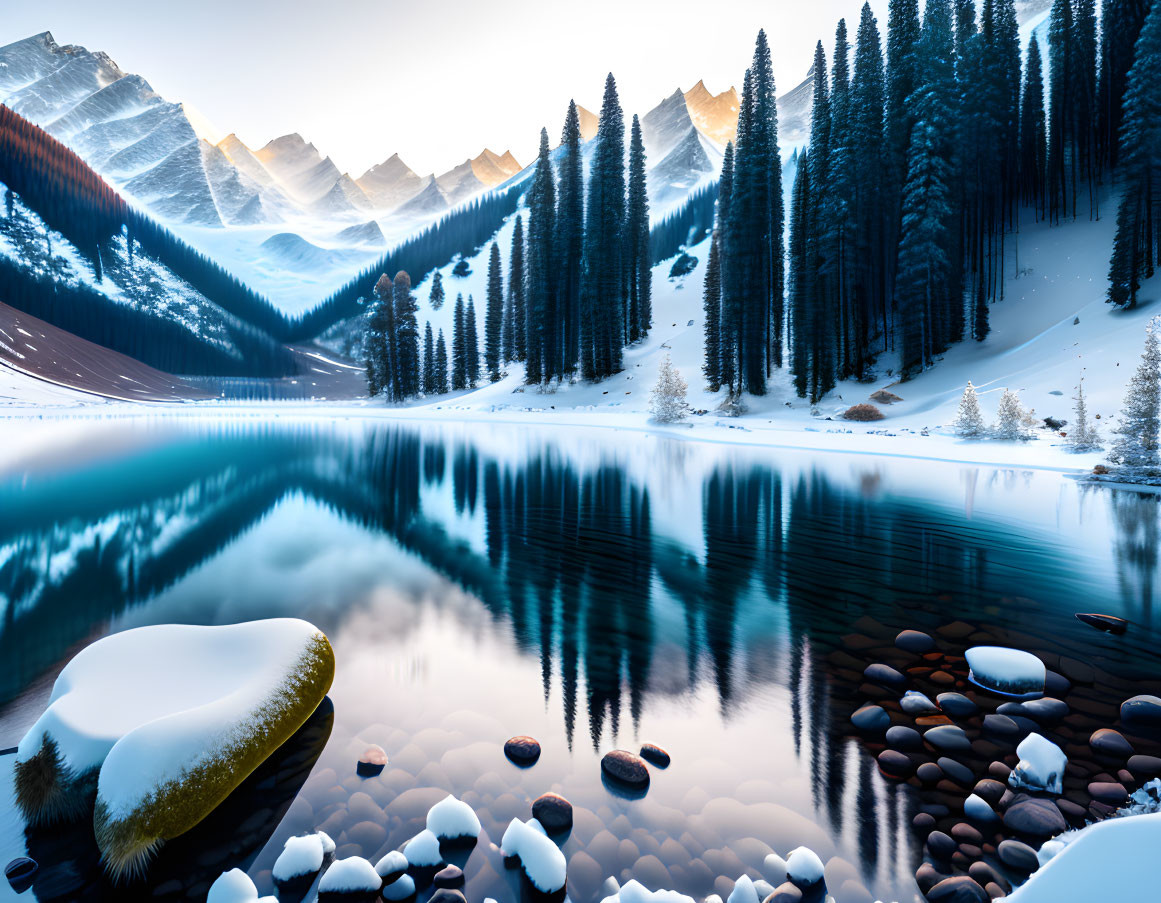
[(433, 80)]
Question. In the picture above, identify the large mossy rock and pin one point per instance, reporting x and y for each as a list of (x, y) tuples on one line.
[(162, 723)]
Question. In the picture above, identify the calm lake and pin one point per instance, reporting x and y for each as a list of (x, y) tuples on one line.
[(593, 589)]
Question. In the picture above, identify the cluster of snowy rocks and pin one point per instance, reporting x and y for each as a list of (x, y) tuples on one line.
[(1008, 749)]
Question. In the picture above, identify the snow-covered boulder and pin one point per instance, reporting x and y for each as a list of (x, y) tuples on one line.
[(542, 861), (422, 851), (402, 888), (453, 820), (301, 858), (634, 892), (350, 876), (164, 722), (1011, 672), (1041, 765), (235, 886), (394, 863), (803, 867)]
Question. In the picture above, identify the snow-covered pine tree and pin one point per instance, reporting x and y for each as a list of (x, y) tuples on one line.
[(1136, 446), (406, 338), (542, 275), (667, 400), (969, 422), (1010, 417), (712, 307), (1138, 240), (428, 360), (459, 356), (436, 296), (514, 312), (570, 236), (494, 316), (1083, 435), (638, 268), (471, 345), (440, 386)]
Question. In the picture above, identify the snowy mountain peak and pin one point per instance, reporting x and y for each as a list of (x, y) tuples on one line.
[(665, 126), (588, 123), (390, 183), (715, 115), (492, 169)]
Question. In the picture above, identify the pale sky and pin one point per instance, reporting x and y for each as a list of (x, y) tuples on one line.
[(433, 80)]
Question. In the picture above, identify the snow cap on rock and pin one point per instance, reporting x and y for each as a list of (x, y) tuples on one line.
[(1041, 765), (803, 867), (350, 876), (451, 819)]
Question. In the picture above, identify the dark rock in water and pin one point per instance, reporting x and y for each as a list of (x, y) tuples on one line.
[(1073, 812), (1145, 766), (965, 833), (1011, 709), (450, 876), (894, 764), (784, 893), (20, 872), (956, 704), (923, 821), (1046, 710), (622, 766), (655, 755), (1108, 792), (926, 876), (999, 771), (960, 889), (1109, 742), (1143, 710), (1034, 817), (929, 773), (871, 718), (447, 895), (1056, 684), (553, 812), (1018, 855), (885, 676), (940, 845), (983, 874), (1107, 623), (901, 737), (371, 762), (915, 641), (1002, 725), (948, 737), (990, 791), (522, 751), (958, 772)]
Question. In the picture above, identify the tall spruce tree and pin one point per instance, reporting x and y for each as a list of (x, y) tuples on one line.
[(494, 316), (428, 360), (902, 44), (1137, 245), (406, 337), (712, 308), (459, 355), (1084, 48), (382, 341), (638, 271), (822, 329), (603, 290), (801, 277), (1061, 174), (1033, 134), (471, 345), (541, 287), (570, 234), (515, 312), (440, 385), (436, 297), (1121, 23)]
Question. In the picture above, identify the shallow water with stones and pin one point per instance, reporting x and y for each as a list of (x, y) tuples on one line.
[(595, 590)]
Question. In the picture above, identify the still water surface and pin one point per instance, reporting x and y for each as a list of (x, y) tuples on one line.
[(594, 590)]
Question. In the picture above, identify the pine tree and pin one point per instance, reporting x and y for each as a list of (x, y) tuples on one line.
[(440, 386), (428, 360), (1033, 137), (515, 313), (1121, 23), (1083, 435), (459, 378), (969, 422), (1061, 182), (570, 229), (603, 290), (471, 346), (1137, 245), (382, 341), (902, 44), (712, 306), (667, 399), (725, 185), (1084, 48), (801, 277), (1136, 445), (1010, 417), (542, 276), (494, 316), (436, 297), (637, 263), (406, 338)]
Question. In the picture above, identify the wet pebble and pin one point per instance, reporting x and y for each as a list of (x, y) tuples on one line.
[(978, 809), (916, 703), (915, 641), (1108, 792), (446, 895), (1143, 710), (1107, 623), (948, 738), (1046, 710), (958, 772), (940, 845), (1001, 725), (1018, 855), (1109, 742), (1034, 817), (20, 872), (621, 765), (553, 812), (885, 676), (965, 833), (929, 773), (449, 876), (923, 822), (1056, 684), (1145, 766), (894, 764), (371, 762), (655, 755), (905, 738), (956, 704), (927, 876), (958, 889), (523, 751), (784, 893), (871, 718)]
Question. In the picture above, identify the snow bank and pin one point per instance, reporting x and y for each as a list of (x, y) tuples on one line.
[(422, 851), (451, 819), (400, 889), (743, 892), (300, 856), (1011, 672), (1041, 765), (391, 864), (633, 892), (543, 862), (1112, 860), (165, 722), (235, 886), (350, 876)]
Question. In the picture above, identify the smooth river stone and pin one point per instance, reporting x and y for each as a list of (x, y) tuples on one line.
[(1035, 817), (948, 738), (1107, 623), (523, 751), (902, 737), (553, 812), (956, 704), (1018, 855), (871, 718), (959, 889), (885, 676), (655, 755), (915, 641), (1143, 710), (1109, 742), (621, 765)]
